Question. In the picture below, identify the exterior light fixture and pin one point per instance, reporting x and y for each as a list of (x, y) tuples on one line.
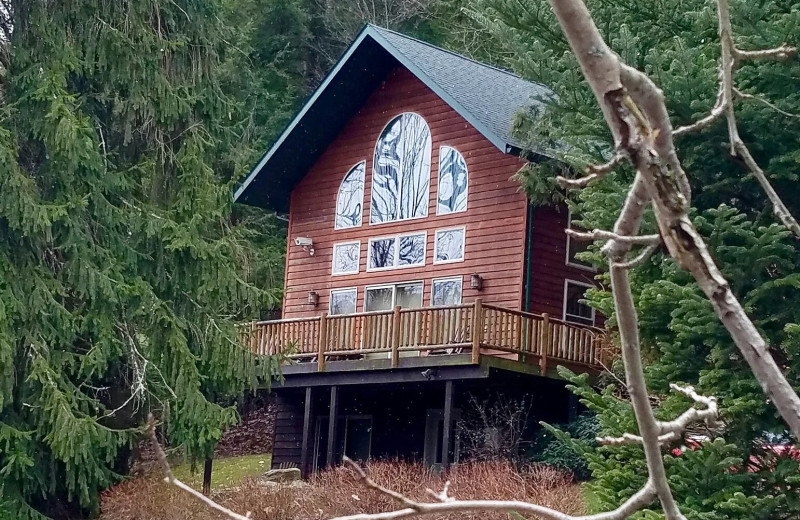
[(476, 282), (313, 298)]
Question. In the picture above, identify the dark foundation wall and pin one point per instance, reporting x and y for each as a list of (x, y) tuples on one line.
[(399, 411)]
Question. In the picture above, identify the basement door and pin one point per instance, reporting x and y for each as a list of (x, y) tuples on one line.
[(354, 439)]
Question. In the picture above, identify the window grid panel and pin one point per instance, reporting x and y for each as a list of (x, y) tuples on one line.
[(346, 258), (350, 198), (449, 245), (453, 182)]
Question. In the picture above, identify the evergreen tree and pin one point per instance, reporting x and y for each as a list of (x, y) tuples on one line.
[(122, 270), (734, 474)]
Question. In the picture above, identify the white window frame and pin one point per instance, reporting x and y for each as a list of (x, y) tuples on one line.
[(342, 290), (333, 257), (568, 260), (393, 287), (363, 194), (396, 259), (564, 304), (448, 279), (400, 179), (436, 244), (439, 178)]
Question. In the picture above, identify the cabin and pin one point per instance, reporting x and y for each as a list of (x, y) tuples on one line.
[(419, 278)]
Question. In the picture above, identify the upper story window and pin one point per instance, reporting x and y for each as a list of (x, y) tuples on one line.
[(575, 309), (346, 257), (452, 188), (398, 251), (401, 170), (350, 198), (449, 245)]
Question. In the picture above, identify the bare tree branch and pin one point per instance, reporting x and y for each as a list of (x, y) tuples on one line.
[(170, 478), (601, 234), (413, 508)]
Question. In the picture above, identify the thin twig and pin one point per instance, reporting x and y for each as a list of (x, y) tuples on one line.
[(170, 478), (640, 259), (602, 234), (593, 172), (742, 95)]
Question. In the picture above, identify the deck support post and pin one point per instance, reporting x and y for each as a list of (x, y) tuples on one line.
[(207, 466), (477, 330), (333, 412), (545, 346), (305, 450), (447, 430), (396, 337), (322, 341)]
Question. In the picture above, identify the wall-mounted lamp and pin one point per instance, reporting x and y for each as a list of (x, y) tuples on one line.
[(313, 298), (476, 282), (306, 243)]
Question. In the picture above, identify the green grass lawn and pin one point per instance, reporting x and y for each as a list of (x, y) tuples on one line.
[(226, 472)]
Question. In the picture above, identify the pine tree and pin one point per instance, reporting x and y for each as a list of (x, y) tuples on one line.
[(122, 270), (734, 474)]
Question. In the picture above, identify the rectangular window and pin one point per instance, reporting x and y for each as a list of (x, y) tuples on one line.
[(343, 301), (346, 257), (407, 295), (446, 291), (574, 309), (574, 247), (398, 251), (449, 245)]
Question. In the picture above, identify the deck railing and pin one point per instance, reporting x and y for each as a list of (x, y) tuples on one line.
[(474, 328)]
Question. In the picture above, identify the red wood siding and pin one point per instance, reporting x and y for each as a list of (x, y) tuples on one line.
[(549, 267), (495, 219)]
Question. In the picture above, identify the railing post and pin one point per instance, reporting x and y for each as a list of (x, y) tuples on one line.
[(396, 336), (252, 337), (322, 342), (477, 330), (545, 346)]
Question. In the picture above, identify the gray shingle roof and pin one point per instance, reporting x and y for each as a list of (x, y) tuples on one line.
[(487, 97), (492, 96)]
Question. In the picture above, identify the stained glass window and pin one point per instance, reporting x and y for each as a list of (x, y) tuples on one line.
[(346, 257), (401, 170), (452, 189), (449, 245), (350, 198)]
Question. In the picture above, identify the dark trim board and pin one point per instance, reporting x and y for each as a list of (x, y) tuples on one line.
[(413, 375)]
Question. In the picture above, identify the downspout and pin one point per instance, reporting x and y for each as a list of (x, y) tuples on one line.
[(528, 260)]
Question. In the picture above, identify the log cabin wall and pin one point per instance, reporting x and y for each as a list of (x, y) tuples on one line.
[(495, 218), (548, 264)]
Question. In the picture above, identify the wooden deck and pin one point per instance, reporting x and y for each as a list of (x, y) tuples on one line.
[(476, 329)]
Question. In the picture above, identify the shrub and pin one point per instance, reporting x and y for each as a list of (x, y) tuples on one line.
[(546, 449), (337, 492)]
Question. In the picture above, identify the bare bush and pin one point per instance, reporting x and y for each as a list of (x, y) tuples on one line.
[(336, 492), (492, 429)]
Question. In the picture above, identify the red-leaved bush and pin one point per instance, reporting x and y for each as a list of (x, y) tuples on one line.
[(337, 492)]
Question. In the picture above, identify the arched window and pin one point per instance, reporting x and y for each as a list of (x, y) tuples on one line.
[(452, 196), (350, 198), (401, 170)]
